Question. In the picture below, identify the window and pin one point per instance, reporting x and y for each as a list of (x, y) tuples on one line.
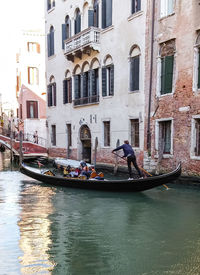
[(196, 74), (93, 15), (135, 6), (50, 41), (106, 125), (77, 86), (135, 132), (198, 84), (51, 93), (20, 111), (53, 135), (32, 109), (67, 90), (165, 137), (166, 7), (85, 84), (77, 22), (50, 4), (106, 13), (65, 30), (134, 73), (69, 135), (33, 47), (95, 82), (167, 67), (108, 80), (33, 76)]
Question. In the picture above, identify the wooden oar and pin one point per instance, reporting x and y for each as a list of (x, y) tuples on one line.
[(141, 169)]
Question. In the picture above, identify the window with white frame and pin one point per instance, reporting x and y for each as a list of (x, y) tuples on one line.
[(195, 137), (164, 137), (33, 76), (50, 4), (166, 7), (135, 137), (50, 42), (135, 6), (166, 76), (106, 128)]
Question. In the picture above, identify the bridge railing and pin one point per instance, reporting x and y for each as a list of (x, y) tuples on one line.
[(26, 137)]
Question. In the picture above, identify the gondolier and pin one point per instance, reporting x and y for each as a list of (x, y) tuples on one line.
[(130, 156)]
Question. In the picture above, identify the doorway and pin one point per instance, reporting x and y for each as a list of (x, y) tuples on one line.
[(85, 137)]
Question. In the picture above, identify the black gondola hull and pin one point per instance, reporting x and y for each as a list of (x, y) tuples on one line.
[(136, 185)]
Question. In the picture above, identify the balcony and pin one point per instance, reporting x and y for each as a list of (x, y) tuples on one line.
[(86, 100), (82, 43)]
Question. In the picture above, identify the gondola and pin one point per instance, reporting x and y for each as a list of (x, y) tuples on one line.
[(135, 185)]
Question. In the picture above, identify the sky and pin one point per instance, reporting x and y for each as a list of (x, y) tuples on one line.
[(15, 15)]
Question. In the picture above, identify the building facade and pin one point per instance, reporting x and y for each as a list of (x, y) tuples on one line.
[(95, 65), (172, 84), (31, 85)]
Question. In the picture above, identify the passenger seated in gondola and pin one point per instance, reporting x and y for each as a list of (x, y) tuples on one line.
[(65, 172), (74, 173)]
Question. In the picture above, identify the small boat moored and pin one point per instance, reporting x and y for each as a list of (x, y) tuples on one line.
[(135, 185)]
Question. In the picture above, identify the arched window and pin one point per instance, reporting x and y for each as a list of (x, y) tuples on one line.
[(94, 74), (67, 88), (135, 6), (93, 15), (135, 69), (66, 30), (77, 86), (50, 41), (50, 4), (77, 22), (108, 77), (51, 92)]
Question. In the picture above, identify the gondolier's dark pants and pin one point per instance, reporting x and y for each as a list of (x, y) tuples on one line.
[(132, 159)]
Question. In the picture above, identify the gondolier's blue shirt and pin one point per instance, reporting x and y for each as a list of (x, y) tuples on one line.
[(128, 150)]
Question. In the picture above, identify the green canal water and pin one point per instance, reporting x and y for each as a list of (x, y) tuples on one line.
[(48, 230)]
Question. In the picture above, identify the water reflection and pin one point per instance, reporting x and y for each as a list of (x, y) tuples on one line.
[(34, 226)]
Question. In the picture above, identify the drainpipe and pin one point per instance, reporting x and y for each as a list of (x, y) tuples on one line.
[(150, 82)]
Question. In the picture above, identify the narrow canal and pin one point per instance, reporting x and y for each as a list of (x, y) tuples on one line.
[(48, 230)]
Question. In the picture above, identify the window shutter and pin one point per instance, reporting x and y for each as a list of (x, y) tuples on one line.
[(112, 80), (169, 62), (93, 83), (54, 94), (90, 18), (96, 14), (104, 81), (138, 5), (28, 109), (38, 48), (108, 13), (53, 3), (76, 86), (70, 90), (131, 73), (35, 109), (162, 91), (64, 36), (133, 6), (48, 5), (136, 65), (84, 85), (79, 22), (103, 14), (64, 91), (199, 72), (49, 44), (48, 95)]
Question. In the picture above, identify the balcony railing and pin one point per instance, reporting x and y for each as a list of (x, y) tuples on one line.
[(82, 42), (86, 100)]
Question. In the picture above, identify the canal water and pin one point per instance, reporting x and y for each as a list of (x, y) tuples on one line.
[(48, 230)]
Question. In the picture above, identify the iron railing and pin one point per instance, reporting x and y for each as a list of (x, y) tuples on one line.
[(86, 100)]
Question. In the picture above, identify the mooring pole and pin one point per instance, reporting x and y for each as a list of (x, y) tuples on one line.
[(20, 147)]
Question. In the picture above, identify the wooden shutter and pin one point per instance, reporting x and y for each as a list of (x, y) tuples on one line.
[(108, 13), (35, 109), (49, 44), (38, 48), (48, 96), (53, 3), (76, 86), (64, 34), (199, 72), (70, 89), (93, 83), (112, 80), (54, 94), (85, 85), (103, 14), (28, 109), (90, 18), (135, 73), (104, 81), (65, 91), (138, 5), (48, 5), (133, 6), (169, 62)]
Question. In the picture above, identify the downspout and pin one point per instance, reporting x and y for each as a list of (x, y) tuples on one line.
[(150, 82)]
